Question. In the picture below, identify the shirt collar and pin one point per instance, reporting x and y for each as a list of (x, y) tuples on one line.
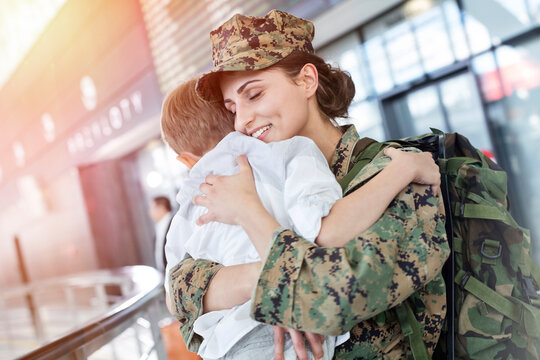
[(339, 164)]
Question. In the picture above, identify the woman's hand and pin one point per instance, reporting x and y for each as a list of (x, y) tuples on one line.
[(228, 198), (421, 166), (315, 343), (234, 200)]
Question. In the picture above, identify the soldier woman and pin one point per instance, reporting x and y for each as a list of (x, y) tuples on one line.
[(266, 73)]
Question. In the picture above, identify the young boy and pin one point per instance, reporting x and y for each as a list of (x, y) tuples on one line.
[(294, 183)]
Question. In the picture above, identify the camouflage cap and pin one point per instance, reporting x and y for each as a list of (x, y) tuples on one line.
[(253, 43)]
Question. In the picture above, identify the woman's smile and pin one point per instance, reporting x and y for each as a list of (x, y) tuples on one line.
[(261, 132)]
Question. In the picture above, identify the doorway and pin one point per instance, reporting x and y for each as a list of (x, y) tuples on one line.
[(452, 104)]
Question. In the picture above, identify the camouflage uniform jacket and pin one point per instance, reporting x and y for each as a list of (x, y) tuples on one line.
[(335, 290)]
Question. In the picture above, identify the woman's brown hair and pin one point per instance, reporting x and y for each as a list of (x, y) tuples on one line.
[(336, 88)]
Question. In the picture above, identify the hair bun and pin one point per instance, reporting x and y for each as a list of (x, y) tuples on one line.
[(336, 89)]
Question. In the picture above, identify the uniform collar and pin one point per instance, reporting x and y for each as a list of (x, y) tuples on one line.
[(339, 164)]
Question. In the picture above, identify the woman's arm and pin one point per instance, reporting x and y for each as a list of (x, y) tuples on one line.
[(238, 204), (348, 217), (199, 286), (359, 210), (231, 286), (401, 253), (329, 290)]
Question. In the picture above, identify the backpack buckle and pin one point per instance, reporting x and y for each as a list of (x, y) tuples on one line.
[(489, 256), (464, 280)]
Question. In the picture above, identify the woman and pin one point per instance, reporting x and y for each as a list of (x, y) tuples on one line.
[(349, 284)]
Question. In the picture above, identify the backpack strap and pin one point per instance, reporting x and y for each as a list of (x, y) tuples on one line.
[(362, 160), (521, 313), (450, 166), (411, 329), (455, 243), (483, 292), (481, 211)]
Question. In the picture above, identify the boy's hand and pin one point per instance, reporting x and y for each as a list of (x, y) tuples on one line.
[(315, 342)]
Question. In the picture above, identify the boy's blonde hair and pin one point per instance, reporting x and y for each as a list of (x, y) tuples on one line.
[(191, 124)]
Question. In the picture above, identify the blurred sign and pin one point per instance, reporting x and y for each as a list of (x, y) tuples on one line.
[(134, 105), (519, 77), (89, 93), (179, 30), (92, 83)]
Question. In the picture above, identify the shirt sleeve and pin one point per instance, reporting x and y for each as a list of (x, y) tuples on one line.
[(188, 283), (174, 245), (329, 290), (310, 189)]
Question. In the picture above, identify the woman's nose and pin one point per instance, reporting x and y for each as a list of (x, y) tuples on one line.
[(243, 118)]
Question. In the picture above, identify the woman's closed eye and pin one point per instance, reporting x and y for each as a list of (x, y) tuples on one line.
[(253, 93), (255, 96)]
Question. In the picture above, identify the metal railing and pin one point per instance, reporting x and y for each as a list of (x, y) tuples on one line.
[(77, 317)]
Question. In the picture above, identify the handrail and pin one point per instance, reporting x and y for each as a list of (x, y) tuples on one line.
[(143, 295)]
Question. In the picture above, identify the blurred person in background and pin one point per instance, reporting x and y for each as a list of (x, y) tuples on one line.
[(160, 212)]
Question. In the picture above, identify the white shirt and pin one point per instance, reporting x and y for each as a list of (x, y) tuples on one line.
[(295, 186), (161, 229)]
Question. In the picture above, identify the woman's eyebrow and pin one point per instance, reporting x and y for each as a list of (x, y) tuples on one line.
[(241, 88)]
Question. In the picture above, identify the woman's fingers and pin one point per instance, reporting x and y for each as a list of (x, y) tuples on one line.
[(390, 152), (279, 343), (211, 179), (299, 344), (297, 337), (205, 219), (201, 200), (435, 189), (228, 198), (424, 169), (205, 188), (315, 343)]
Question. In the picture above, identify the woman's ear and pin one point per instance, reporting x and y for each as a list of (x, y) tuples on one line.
[(188, 159), (308, 77)]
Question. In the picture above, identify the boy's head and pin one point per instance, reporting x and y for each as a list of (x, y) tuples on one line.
[(192, 126)]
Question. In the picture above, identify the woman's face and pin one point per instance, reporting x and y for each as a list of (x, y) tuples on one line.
[(267, 104)]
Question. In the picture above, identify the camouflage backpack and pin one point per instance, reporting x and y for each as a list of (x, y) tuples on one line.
[(492, 282)]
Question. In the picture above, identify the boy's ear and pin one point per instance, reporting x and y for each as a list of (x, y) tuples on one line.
[(188, 159)]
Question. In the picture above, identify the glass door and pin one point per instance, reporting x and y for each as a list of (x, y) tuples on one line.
[(451, 105)]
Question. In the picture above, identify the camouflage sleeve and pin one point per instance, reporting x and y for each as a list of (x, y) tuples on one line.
[(329, 290), (188, 282)]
